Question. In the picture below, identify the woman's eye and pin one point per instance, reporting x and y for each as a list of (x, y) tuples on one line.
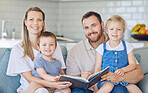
[(39, 19)]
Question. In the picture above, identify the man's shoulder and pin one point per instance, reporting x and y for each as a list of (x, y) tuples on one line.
[(78, 46)]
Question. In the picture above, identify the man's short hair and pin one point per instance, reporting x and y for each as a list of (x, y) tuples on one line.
[(91, 13)]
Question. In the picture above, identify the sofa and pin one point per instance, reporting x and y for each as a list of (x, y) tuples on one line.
[(9, 84)]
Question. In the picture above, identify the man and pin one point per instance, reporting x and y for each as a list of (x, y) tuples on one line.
[(81, 58)]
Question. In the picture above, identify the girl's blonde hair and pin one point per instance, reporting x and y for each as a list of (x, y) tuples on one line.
[(26, 42), (115, 18)]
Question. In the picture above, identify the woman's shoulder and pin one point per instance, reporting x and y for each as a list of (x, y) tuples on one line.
[(18, 47)]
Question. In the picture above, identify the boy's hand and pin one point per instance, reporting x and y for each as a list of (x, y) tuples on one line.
[(119, 72), (57, 78)]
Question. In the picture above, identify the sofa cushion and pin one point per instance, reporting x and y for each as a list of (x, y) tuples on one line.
[(143, 85), (8, 84)]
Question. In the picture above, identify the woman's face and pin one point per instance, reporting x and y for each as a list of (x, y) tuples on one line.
[(34, 22)]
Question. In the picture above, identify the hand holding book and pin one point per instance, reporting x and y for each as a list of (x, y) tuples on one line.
[(79, 82)]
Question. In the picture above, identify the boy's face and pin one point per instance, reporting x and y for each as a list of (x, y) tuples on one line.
[(47, 46)]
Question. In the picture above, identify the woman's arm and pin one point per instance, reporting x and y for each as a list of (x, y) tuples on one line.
[(59, 85)]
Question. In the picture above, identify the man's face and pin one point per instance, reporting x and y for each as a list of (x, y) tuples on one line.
[(92, 28)]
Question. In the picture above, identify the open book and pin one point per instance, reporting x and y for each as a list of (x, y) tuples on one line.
[(79, 82)]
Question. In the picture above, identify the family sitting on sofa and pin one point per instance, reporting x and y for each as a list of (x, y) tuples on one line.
[(80, 60)]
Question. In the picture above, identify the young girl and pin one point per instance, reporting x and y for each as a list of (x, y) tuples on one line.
[(116, 54), (45, 67)]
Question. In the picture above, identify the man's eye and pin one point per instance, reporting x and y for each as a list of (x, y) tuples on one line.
[(85, 27), (30, 19)]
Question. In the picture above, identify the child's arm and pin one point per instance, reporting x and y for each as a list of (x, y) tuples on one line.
[(45, 76), (130, 67), (98, 64), (62, 72)]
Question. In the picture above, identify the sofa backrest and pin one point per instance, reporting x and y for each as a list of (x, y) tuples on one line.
[(142, 56), (9, 84)]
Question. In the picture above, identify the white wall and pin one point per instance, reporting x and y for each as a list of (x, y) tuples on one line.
[(133, 11), (64, 18), (12, 11)]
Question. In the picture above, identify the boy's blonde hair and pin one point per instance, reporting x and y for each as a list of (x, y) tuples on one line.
[(115, 18)]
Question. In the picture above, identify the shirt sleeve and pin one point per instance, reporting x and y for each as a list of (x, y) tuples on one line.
[(17, 63), (129, 47), (38, 63), (58, 55), (100, 49), (71, 63)]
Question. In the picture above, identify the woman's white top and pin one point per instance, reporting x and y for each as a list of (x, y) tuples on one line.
[(19, 64)]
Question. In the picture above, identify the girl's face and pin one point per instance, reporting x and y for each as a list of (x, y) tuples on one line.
[(34, 22), (47, 46), (115, 30)]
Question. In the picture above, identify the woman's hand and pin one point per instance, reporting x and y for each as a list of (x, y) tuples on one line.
[(62, 85), (112, 77), (86, 74)]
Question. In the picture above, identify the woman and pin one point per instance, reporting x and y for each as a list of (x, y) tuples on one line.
[(23, 54)]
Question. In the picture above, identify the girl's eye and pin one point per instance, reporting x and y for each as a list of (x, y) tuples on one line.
[(111, 28), (119, 29), (51, 44)]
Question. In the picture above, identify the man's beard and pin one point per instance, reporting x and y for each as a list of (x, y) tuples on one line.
[(94, 40)]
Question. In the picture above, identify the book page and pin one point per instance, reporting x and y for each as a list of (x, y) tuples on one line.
[(95, 74), (77, 78)]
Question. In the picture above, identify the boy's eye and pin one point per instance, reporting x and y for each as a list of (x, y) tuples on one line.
[(93, 25)]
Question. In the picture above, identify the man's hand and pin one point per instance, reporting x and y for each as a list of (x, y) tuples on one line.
[(112, 77), (86, 74)]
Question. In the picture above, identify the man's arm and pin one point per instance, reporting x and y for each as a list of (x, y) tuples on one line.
[(133, 76)]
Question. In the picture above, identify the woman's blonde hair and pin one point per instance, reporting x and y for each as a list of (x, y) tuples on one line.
[(115, 18), (26, 42)]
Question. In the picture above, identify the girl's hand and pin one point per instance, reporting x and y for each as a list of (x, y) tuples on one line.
[(119, 72)]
